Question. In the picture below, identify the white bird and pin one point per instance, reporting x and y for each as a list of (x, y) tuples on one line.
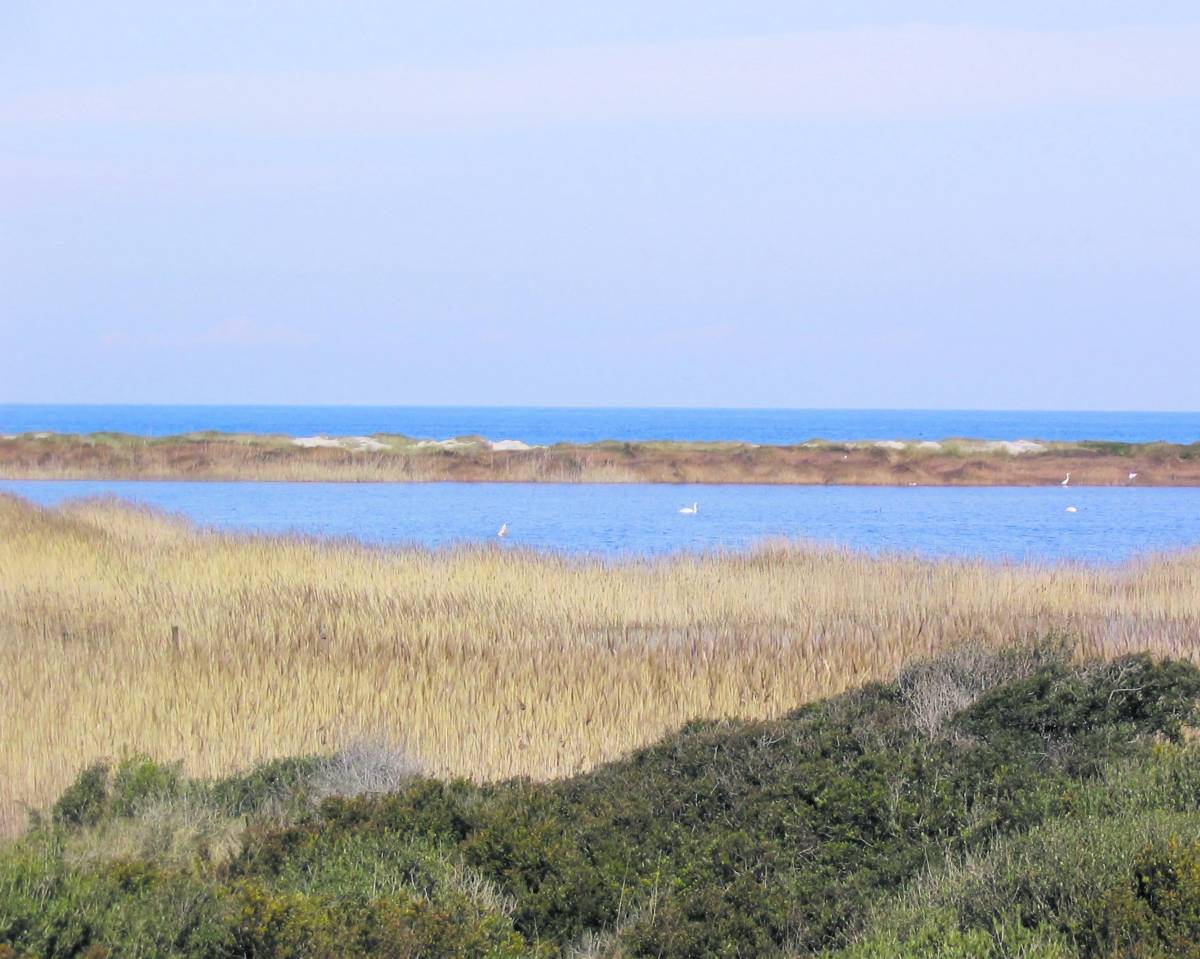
[(503, 531), (1132, 477), (1072, 509), (691, 510), (1067, 481)]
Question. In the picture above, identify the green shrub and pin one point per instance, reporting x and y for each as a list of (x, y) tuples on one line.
[(1048, 813), (139, 781), (274, 785), (939, 936), (84, 802), (1155, 913)]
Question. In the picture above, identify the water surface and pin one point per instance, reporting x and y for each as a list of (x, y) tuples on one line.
[(545, 425), (1111, 524)]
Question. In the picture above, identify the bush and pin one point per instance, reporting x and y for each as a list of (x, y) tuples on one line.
[(83, 803), (1048, 814), (1156, 914)]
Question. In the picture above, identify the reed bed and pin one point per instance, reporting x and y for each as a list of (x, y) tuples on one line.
[(124, 631)]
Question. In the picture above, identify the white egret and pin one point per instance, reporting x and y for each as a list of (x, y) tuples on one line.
[(1132, 477), (1067, 481), (691, 510), (503, 531)]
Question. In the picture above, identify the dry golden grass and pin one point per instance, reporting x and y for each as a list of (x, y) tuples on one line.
[(483, 662)]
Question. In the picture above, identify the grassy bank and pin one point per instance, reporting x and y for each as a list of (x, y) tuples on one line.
[(981, 806), (125, 632), (388, 458)]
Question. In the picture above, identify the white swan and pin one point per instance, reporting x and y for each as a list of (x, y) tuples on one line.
[(691, 510), (503, 531), (1067, 481), (1072, 509)]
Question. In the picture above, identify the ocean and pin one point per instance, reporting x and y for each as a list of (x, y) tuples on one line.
[(547, 425)]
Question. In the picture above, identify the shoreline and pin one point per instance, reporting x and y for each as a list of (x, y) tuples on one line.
[(384, 458)]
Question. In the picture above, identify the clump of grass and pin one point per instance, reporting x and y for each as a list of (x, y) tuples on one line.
[(176, 832), (364, 766), (123, 632)]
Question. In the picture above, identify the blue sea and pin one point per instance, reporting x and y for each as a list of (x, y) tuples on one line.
[(546, 425)]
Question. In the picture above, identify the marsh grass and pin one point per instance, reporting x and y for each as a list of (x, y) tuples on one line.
[(478, 662)]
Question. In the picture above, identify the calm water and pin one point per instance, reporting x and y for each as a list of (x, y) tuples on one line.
[(553, 425), (993, 522)]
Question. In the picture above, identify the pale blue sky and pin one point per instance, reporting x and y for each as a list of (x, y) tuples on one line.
[(697, 204)]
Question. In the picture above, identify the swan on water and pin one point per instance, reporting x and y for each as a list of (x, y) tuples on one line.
[(1072, 509), (691, 510)]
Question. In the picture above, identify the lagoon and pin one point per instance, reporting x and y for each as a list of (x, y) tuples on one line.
[(623, 520)]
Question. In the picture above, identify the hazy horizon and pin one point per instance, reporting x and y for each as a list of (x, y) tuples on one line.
[(690, 206), (606, 406)]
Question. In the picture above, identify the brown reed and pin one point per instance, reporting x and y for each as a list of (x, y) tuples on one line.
[(478, 662)]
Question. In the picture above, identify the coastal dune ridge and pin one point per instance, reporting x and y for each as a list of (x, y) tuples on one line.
[(124, 631), (384, 457)]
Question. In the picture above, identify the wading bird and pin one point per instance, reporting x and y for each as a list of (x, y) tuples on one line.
[(1132, 477), (1067, 481), (503, 531), (691, 510)]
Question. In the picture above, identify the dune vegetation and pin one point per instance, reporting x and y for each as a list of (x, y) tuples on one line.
[(982, 805), (125, 632), (393, 458)]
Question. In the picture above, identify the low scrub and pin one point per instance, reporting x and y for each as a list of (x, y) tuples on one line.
[(1051, 813)]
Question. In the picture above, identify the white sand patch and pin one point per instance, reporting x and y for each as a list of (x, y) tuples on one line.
[(1019, 447), (444, 444), (507, 445), (1014, 447), (41, 436), (364, 444), (313, 442), (356, 444)]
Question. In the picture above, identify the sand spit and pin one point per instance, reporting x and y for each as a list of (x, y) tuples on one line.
[(394, 458)]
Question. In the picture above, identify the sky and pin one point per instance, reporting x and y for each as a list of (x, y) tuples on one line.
[(684, 203)]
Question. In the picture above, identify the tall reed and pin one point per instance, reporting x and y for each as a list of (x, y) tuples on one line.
[(479, 662)]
